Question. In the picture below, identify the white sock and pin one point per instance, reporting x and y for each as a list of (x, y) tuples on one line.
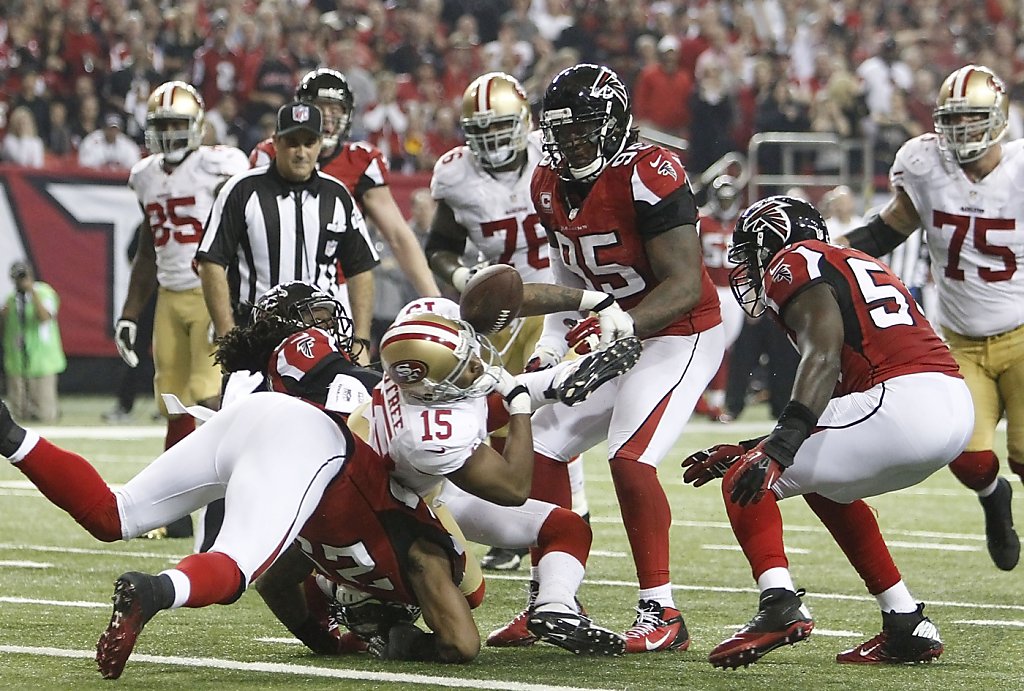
[(579, 492), (777, 577), (990, 489), (182, 586), (897, 599), (559, 576), (27, 444), (661, 594)]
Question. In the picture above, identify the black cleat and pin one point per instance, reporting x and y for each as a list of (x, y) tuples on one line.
[(781, 619), (905, 639), (577, 383), (503, 559), (11, 434), (1002, 540), (137, 597), (575, 633)]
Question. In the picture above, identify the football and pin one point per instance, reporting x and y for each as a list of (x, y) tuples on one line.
[(492, 298)]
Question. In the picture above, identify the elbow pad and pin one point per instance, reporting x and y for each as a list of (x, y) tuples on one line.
[(875, 238)]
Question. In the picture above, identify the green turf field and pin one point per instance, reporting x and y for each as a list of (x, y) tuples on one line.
[(55, 586)]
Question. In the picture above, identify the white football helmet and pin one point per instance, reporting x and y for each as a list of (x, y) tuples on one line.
[(971, 112), (495, 119), (175, 115), (430, 358)]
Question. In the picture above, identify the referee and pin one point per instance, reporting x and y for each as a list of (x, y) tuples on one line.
[(286, 221)]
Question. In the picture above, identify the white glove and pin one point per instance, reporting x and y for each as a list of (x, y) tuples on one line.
[(461, 276), (543, 358), (615, 323), (517, 397), (125, 333)]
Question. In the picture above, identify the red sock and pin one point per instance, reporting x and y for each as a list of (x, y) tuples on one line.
[(476, 598), (214, 578), (975, 469), (855, 530), (1017, 468), (551, 481), (178, 427), (646, 516), (565, 531), (758, 530), (70, 482)]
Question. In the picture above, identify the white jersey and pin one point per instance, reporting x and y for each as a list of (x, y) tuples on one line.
[(177, 204), (424, 442), (496, 209), (975, 233)]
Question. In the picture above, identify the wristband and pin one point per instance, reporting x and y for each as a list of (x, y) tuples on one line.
[(595, 301), (795, 424)]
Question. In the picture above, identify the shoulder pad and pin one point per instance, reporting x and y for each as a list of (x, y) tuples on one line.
[(223, 160), (449, 171), (918, 156)]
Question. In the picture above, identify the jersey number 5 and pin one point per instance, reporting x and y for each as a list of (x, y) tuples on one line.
[(167, 222), (981, 226)]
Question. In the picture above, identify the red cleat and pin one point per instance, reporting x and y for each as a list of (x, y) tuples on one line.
[(905, 639), (781, 619), (136, 600), (656, 628)]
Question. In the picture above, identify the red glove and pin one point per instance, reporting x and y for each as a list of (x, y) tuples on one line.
[(711, 463), (579, 336), (754, 474)]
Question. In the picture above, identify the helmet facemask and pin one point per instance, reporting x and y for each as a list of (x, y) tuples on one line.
[(174, 121), (971, 113), (303, 306), (495, 119), (429, 357), (747, 278)]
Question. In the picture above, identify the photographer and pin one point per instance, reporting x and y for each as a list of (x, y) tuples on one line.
[(33, 354)]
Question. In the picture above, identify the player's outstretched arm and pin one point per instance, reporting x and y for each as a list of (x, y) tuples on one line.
[(384, 212)]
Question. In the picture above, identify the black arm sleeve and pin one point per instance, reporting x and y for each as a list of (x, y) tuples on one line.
[(677, 209), (876, 237)]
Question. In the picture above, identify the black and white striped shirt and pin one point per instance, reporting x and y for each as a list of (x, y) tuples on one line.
[(267, 230)]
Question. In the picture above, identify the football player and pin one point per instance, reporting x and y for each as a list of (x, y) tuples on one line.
[(175, 185), (430, 417), (482, 191), (960, 185), (363, 169), (621, 219), (878, 405)]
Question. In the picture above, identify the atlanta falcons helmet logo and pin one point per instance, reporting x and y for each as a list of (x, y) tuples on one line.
[(767, 219)]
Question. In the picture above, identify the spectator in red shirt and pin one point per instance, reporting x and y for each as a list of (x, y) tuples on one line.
[(662, 92), (216, 67)]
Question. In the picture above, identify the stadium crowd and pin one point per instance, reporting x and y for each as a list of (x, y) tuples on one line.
[(732, 68)]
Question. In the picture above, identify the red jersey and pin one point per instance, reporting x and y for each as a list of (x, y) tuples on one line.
[(643, 191), (886, 335), (714, 238), (361, 531), (359, 165)]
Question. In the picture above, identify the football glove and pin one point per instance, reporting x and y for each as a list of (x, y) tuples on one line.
[(610, 324), (755, 473), (516, 396), (711, 463), (125, 333), (461, 275), (542, 358)]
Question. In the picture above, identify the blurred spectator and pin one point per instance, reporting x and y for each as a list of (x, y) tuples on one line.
[(109, 147), (86, 119), (128, 88), (661, 95), (216, 66), (343, 57), (22, 144), (81, 48), (713, 113), (59, 138), (179, 40), (838, 206), (223, 125), (461, 66), (33, 354), (552, 17), (892, 129), (385, 121), (31, 97), (508, 53), (274, 81), (883, 74)]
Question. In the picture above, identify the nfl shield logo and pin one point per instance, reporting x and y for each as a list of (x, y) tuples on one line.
[(300, 113)]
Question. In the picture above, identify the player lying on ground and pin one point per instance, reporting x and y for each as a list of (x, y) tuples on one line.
[(878, 405)]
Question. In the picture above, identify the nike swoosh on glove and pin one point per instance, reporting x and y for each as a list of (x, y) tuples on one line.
[(711, 463), (752, 475)]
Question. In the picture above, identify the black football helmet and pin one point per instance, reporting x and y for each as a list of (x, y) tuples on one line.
[(586, 121), (323, 87), (303, 305), (761, 232)]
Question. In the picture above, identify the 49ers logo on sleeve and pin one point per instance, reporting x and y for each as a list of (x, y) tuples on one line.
[(408, 371)]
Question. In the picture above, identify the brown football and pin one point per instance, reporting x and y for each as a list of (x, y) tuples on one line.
[(492, 298)]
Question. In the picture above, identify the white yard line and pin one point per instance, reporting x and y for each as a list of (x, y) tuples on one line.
[(306, 670)]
